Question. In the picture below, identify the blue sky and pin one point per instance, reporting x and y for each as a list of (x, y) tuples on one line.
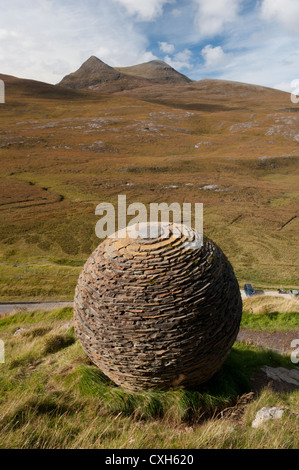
[(252, 41)]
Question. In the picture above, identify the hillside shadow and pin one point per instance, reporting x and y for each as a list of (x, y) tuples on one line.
[(205, 107), (234, 377)]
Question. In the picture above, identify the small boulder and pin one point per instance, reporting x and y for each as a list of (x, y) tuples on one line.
[(266, 413)]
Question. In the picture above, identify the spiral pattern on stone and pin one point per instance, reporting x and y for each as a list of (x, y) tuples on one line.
[(157, 312)]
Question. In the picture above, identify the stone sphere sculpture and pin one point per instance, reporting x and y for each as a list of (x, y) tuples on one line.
[(155, 313)]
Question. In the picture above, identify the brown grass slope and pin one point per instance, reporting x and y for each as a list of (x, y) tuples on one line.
[(211, 95), (233, 147), (22, 87)]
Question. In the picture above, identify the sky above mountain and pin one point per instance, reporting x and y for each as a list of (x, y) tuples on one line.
[(252, 41)]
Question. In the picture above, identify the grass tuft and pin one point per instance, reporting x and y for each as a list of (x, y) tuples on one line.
[(55, 343)]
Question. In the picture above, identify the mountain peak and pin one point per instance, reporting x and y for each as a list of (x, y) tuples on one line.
[(158, 62), (92, 72), (93, 64), (95, 74), (94, 61)]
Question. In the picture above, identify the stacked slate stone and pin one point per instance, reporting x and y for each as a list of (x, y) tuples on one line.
[(157, 312)]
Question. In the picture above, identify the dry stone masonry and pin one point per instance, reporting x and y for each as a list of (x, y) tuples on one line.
[(153, 313)]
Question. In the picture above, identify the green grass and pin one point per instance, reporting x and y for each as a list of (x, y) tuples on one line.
[(39, 281), (270, 321), (52, 396), (35, 318)]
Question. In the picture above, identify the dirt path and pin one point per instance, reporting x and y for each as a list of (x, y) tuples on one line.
[(279, 341)]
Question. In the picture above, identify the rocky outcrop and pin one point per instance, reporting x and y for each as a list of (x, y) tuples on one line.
[(155, 313)]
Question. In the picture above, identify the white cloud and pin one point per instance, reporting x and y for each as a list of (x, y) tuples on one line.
[(4, 33), (54, 38), (271, 60), (167, 48), (214, 57), (47, 39), (285, 12), (212, 17), (257, 51), (145, 10), (181, 60)]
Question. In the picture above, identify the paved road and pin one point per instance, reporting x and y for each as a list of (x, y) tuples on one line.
[(29, 306)]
